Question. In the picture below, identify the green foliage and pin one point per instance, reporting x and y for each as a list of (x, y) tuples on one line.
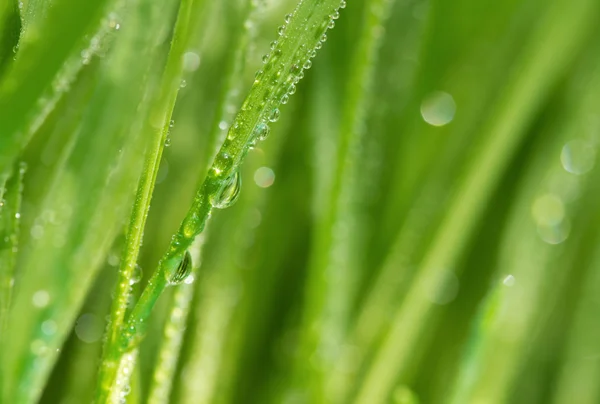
[(420, 226)]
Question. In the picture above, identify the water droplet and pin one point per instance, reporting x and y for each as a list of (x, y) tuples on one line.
[(323, 38), (264, 177), (261, 132), (578, 156), (281, 30), (191, 61), (229, 192), (548, 210), (438, 109), (168, 141), (331, 24), (274, 115), (171, 124), (554, 234), (285, 98), (343, 4), (49, 327), (288, 18), (183, 84), (183, 270), (292, 89), (509, 280), (273, 45), (136, 276), (40, 299), (335, 15), (89, 328), (265, 58), (307, 64)]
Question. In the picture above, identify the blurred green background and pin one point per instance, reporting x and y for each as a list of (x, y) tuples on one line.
[(421, 226)]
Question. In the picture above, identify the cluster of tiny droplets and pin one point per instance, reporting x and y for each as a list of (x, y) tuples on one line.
[(281, 87)]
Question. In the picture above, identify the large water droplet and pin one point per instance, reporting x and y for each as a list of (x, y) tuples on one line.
[(229, 192), (183, 270)]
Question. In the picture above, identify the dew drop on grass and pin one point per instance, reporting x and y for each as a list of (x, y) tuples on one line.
[(229, 193), (168, 141), (136, 276), (261, 132), (274, 115), (183, 270)]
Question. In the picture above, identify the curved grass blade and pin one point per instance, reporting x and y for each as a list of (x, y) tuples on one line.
[(300, 37), (103, 165), (161, 116)]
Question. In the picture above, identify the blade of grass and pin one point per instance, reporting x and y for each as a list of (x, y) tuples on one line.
[(67, 21), (335, 253), (537, 265), (10, 207), (161, 118), (82, 231), (540, 69), (303, 33), (175, 326)]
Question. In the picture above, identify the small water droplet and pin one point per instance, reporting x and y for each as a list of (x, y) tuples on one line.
[(261, 132), (229, 192), (264, 177), (335, 15), (343, 4), (331, 24), (89, 328), (578, 156), (307, 64), (40, 299), (438, 108), (274, 115), (285, 98), (168, 141), (265, 58), (191, 61), (281, 30), (323, 38), (288, 18), (136, 276), (183, 270), (273, 45), (183, 84)]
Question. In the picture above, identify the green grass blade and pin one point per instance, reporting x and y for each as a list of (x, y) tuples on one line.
[(10, 208), (336, 253), (66, 22), (540, 69)]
